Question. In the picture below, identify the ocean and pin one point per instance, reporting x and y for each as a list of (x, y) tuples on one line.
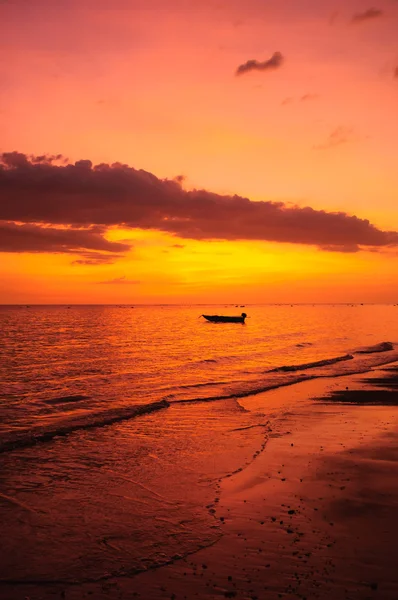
[(117, 423)]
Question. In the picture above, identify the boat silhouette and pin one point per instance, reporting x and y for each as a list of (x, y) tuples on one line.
[(225, 319)]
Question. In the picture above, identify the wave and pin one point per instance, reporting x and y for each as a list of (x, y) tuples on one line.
[(66, 399), (247, 390), (312, 365), (285, 375), (188, 386), (30, 437), (219, 359), (207, 360), (290, 374), (382, 347)]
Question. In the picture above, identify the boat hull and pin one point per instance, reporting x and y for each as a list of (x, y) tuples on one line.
[(221, 319)]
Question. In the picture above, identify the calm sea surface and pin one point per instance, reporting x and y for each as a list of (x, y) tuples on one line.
[(128, 493)]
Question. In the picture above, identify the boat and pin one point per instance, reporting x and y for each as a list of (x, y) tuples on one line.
[(225, 319)]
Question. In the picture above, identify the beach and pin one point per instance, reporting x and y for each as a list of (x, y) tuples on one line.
[(311, 515), (198, 300)]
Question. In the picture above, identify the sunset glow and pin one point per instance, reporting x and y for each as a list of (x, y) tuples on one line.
[(216, 125)]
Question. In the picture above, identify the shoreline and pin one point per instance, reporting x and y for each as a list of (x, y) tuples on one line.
[(370, 359), (300, 521), (312, 516)]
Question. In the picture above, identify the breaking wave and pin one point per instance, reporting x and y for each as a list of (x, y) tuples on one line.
[(64, 422), (285, 375), (312, 365), (30, 437), (382, 347)]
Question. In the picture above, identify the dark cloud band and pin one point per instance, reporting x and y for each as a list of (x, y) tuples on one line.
[(89, 243), (81, 195)]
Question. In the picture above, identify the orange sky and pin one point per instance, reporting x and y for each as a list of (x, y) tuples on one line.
[(153, 84)]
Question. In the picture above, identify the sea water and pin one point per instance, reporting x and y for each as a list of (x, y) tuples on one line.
[(88, 489)]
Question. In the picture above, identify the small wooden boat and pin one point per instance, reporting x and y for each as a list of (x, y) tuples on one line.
[(222, 319)]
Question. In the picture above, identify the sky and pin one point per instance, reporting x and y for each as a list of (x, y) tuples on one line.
[(177, 151)]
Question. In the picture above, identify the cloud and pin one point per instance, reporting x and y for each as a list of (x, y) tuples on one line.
[(94, 258), (275, 62), (307, 97), (367, 15), (396, 72), (89, 199), (119, 281), (341, 135), (87, 242), (347, 248)]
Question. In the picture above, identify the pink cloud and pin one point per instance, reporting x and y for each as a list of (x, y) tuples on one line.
[(339, 136)]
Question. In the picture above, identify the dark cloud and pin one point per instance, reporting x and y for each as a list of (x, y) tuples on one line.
[(119, 281), (396, 73), (49, 159), (17, 159), (180, 178), (275, 62), (371, 13), (89, 242), (339, 136), (82, 195)]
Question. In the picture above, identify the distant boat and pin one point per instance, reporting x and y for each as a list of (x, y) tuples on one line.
[(222, 319)]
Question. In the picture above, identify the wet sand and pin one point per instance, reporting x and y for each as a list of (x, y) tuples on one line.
[(313, 516)]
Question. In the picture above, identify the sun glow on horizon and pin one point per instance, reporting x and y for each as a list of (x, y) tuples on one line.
[(290, 103)]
